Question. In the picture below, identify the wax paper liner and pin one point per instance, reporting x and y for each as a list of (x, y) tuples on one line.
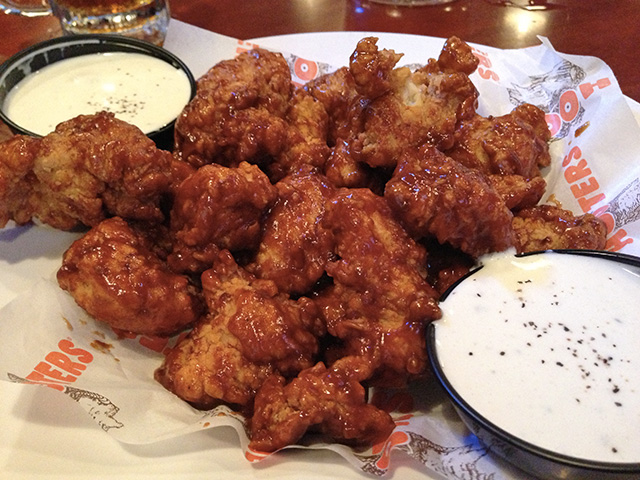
[(49, 340)]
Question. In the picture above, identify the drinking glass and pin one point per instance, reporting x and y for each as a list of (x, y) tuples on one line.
[(144, 19)]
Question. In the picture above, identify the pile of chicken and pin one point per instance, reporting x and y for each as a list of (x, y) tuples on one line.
[(302, 234)]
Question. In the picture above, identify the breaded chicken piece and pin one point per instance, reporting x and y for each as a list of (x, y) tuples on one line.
[(115, 274), (250, 332), (545, 227), (218, 208), (379, 303), (307, 133), (345, 105), (434, 195), (371, 67), (420, 107), (344, 169), (455, 56), (18, 197), (91, 167), (515, 143), (327, 400), (208, 367), (338, 94), (238, 113), (376, 110), (295, 247), (516, 191)]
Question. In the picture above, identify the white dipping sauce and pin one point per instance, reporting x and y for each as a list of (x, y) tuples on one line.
[(139, 89), (547, 347)]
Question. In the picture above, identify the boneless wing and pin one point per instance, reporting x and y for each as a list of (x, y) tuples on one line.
[(379, 303), (238, 112), (91, 167), (251, 331), (543, 227), (208, 367), (115, 275), (217, 208), (330, 400), (436, 196), (419, 106), (515, 143), (295, 246)]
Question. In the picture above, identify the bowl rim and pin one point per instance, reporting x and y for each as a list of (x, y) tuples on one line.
[(460, 403), (99, 40)]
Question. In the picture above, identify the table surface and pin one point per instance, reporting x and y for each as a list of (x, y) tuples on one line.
[(607, 29)]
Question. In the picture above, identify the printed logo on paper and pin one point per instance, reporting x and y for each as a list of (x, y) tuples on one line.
[(63, 366)]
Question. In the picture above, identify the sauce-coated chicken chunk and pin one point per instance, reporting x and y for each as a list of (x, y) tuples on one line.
[(515, 143), (295, 246), (434, 195), (330, 400), (238, 112), (115, 274), (250, 332), (418, 107), (547, 226), (91, 167), (217, 208), (379, 303)]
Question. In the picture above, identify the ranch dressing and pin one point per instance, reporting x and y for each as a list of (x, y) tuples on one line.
[(139, 89), (547, 347)]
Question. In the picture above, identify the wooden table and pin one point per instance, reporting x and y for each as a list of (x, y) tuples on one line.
[(607, 29)]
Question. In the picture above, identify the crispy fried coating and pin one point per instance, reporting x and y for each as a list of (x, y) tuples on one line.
[(379, 110), (18, 197), (271, 327), (419, 108), (250, 332), (516, 191), (344, 105), (380, 302), (455, 56), (371, 67), (89, 168), (343, 168), (328, 400), (295, 246), (217, 208), (515, 143), (238, 112), (306, 144), (409, 107), (115, 275), (545, 227), (94, 165), (208, 367), (434, 195), (376, 110)]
